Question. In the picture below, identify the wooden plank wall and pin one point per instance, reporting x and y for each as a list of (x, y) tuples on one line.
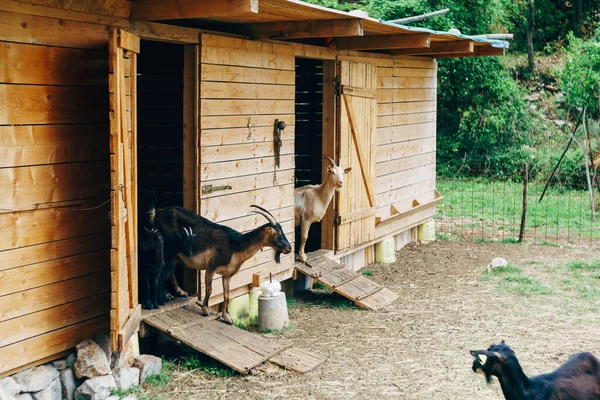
[(242, 80), (309, 133), (54, 180), (406, 140), (160, 124)]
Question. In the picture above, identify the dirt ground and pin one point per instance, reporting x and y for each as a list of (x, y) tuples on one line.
[(418, 348)]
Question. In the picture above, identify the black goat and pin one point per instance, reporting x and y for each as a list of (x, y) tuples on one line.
[(151, 263), (218, 248), (181, 243), (577, 379)]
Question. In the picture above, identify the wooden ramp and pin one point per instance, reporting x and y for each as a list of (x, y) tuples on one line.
[(354, 286), (238, 349)]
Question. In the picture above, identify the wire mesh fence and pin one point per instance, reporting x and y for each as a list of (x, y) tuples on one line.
[(490, 209)]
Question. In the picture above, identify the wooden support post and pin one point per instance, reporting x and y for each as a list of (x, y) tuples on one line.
[(524, 213)]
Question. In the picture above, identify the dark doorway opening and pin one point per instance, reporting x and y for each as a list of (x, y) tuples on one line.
[(309, 134)]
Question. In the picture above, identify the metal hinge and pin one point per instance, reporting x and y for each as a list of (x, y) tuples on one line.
[(210, 188), (336, 85)]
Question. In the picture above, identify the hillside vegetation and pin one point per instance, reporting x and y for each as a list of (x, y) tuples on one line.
[(496, 113)]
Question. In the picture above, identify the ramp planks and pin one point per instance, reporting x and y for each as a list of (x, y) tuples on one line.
[(362, 291), (238, 349)]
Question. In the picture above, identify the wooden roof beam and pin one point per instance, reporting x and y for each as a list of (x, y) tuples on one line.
[(383, 42), (441, 47), (305, 29), (153, 10), (480, 51)]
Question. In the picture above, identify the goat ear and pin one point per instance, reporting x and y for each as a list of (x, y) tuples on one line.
[(347, 170), (270, 230), (329, 170)]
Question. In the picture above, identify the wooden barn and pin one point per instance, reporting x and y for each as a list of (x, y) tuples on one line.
[(104, 103)]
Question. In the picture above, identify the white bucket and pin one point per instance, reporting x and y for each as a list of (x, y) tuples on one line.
[(272, 312), (385, 251)]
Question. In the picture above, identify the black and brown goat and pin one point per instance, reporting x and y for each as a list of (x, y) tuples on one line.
[(181, 243), (577, 379), (219, 249), (151, 263)]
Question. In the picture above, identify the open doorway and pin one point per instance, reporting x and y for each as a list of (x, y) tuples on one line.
[(309, 134), (160, 125)]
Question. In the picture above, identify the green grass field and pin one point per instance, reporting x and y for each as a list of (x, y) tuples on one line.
[(481, 209)]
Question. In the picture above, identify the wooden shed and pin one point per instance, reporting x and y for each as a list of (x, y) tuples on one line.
[(104, 102)]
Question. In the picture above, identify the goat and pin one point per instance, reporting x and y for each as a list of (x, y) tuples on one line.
[(151, 262), (577, 379), (219, 249), (179, 244), (311, 202)]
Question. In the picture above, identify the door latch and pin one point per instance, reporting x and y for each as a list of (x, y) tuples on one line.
[(210, 188)]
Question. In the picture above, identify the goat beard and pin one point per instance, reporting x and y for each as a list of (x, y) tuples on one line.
[(278, 257), (477, 366)]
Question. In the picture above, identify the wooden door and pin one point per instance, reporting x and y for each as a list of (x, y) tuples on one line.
[(125, 311), (357, 147)]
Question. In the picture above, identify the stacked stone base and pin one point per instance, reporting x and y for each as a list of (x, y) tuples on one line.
[(92, 373)]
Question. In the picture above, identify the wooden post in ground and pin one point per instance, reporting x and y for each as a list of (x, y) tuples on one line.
[(524, 213), (586, 161)]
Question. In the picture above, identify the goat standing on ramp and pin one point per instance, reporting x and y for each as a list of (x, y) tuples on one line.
[(219, 249), (577, 379), (311, 202)]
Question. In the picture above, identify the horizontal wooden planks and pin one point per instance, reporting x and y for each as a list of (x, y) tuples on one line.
[(402, 109), (387, 152), (218, 137), (217, 154), (249, 183), (404, 163), (29, 104), (22, 28), (27, 188), (51, 144), (237, 90), (228, 207), (40, 347), (384, 121), (241, 121), (232, 51), (228, 73), (401, 82), (403, 133), (48, 272), (408, 190), (37, 299), (211, 107), (40, 226), (37, 323), (19, 257), (48, 65), (405, 95), (404, 178)]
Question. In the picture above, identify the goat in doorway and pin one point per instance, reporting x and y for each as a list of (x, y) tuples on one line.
[(311, 202)]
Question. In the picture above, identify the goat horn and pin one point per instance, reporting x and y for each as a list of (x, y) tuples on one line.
[(190, 229), (330, 160), (147, 230), (264, 213), (186, 231)]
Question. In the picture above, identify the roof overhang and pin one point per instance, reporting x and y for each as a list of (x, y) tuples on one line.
[(297, 21)]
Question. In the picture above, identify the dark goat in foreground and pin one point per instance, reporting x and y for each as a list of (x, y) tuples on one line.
[(219, 249), (577, 379), (181, 243), (151, 264)]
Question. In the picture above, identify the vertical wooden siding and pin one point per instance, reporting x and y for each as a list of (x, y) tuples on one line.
[(242, 80), (54, 256), (406, 140)]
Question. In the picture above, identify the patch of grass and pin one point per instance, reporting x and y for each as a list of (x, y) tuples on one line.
[(532, 262), (583, 265), (523, 286), (282, 331), (511, 279), (509, 269), (210, 366), (367, 273), (291, 303), (510, 241), (163, 378), (134, 391), (442, 236), (319, 285), (337, 302)]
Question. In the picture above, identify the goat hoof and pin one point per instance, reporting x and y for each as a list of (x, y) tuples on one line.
[(227, 321), (147, 306), (182, 294)]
